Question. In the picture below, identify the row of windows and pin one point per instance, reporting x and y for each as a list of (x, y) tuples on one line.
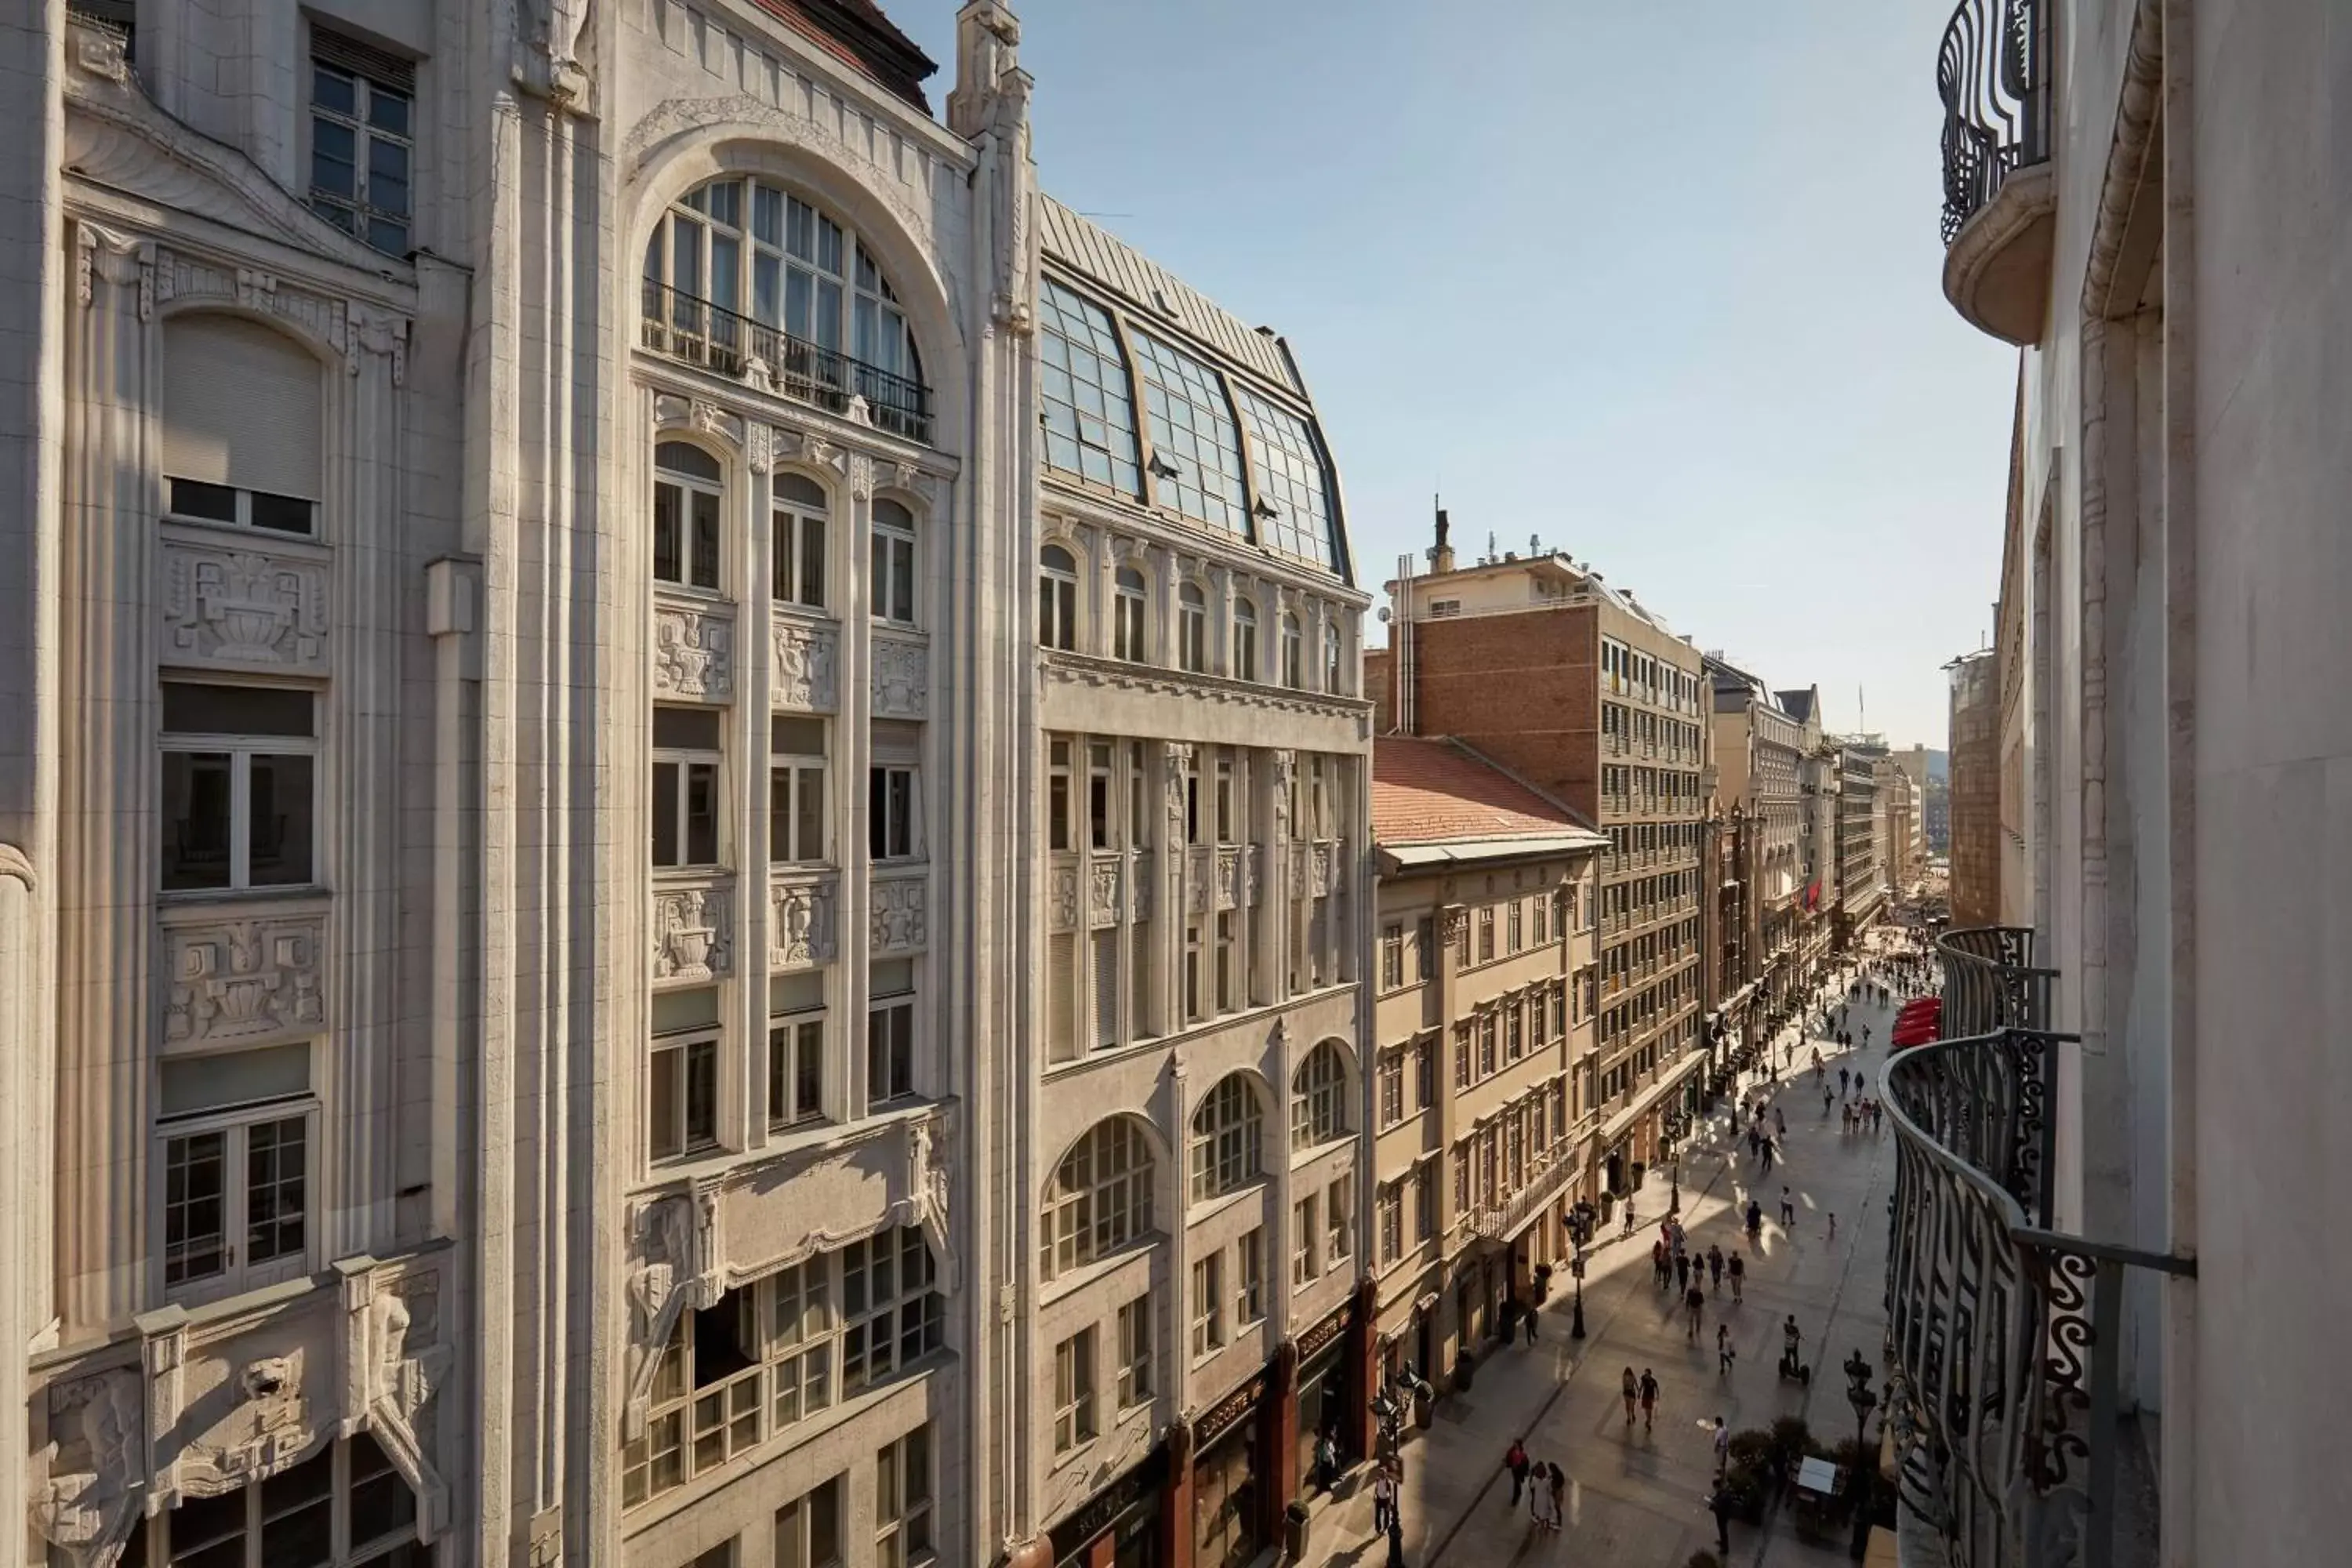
[(1100, 1197), (689, 816), (1629, 838), (1524, 923), (1634, 727), (1077, 1377), (344, 1506), (1502, 1033), (775, 1351), (1389, 1205), (1187, 454), (1624, 788), (691, 535), (1115, 810), (1672, 995), (1236, 651), (1647, 677), (1493, 1163)]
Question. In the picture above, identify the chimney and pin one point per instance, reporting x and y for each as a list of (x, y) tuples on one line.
[(1441, 557)]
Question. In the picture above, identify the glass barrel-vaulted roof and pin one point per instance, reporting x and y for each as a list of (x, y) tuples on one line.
[(1290, 479), (1193, 431), (1089, 411)]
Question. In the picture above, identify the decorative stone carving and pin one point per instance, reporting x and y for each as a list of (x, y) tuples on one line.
[(804, 658), (1322, 875), (1253, 873), (1198, 883), (925, 1203), (694, 653), (1102, 905), (1284, 773), (799, 924), (1063, 896), (713, 420), (119, 259), (373, 333), (269, 1430), (1175, 767), (809, 448), (902, 678), (243, 979), (898, 921), (551, 36), (411, 1358), (860, 474), (694, 933), (760, 446), (244, 609), (673, 1265), (1229, 877), (97, 1450)]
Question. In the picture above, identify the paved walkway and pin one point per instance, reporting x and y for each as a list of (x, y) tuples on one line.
[(1636, 1496)]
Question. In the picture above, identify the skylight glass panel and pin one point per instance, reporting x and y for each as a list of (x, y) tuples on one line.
[(1290, 477), (1089, 414), (1192, 433)]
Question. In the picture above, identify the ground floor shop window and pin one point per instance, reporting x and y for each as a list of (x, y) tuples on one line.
[(1225, 1525)]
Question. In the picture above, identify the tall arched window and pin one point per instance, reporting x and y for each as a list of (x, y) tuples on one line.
[(739, 270), (893, 562), (1057, 598), (1228, 1139), (1193, 628), (799, 544), (1099, 1198), (1319, 1098), (1244, 639), (687, 488), (1126, 618), (1294, 653)]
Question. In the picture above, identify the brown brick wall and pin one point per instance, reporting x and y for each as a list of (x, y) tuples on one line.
[(1380, 685), (1523, 689)]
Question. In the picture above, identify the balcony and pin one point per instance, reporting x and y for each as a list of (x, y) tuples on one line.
[(1999, 199), (2007, 1333), (695, 332)]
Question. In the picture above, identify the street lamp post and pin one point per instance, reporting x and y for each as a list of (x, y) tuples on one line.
[(1579, 1231), (1858, 1394)]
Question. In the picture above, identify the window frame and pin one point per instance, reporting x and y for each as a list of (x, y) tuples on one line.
[(1208, 1315), (1191, 629), (241, 748), (791, 1049), (1076, 1423), (153, 1545), (704, 1042), (1133, 1386), (241, 510), (360, 122), (902, 1515), (1057, 598), (234, 1125), (895, 596), (894, 816), (1304, 1270), (895, 1046), (1130, 616), (691, 547), (785, 845), (1293, 652), (1249, 1285), (1081, 1225), (1227, 1144), (687, 759), (1245, 634), (1318, 1098), (794, 523)]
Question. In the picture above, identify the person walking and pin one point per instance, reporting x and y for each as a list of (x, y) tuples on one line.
[(1515, 1459), (1844, 1076), (1629, 1216), (1682, 1270), (1768, 1156), (1327, 1461), (1780, 1122), (1788, 1209), (1834, 1224), (1696, 1300), (1558, 1496), (1384, 1500), (1755, 1222), (1715, 1268), (1720, 1505), (1722, 1450), (1633, 1393), (1659, 1264), (1539, 1496), (1737, 1268), (1527, 1316), (1649, 1399), (1725, 1353)]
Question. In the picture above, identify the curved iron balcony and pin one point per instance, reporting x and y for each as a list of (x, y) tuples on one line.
[(695, 332), (2005, 1332), (1993, 75)]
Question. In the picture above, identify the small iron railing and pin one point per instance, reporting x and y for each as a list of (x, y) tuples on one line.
[(1990, 983), (695, 332), (1992, 74), (2005, 1334)]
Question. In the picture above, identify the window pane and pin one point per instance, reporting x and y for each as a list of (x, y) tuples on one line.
[(196, 819), (661, 1103), (705, 554), (297, 1510), (666, 823), (274, 1161), (701, 814), (335, 90), (701, 1098), (686, 729), (387, 110), (280, 514), (193, 1235), (279, 830), (669, 563), (193, 709), (334, 158), (811, 584), (217, 503), (382, 1503), (808, 828), (209, 1532), (387, 189)]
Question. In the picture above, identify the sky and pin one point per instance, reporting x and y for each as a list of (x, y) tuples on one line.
[(1659, 283)]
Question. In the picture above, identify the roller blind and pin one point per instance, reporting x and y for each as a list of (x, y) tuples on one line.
[(241, 408)]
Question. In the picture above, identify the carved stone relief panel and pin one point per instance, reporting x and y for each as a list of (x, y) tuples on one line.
[(1229, 875), (1102, 896), (243, 979), (673, 1264), (694, 652), (1062, 897), (801, 923), (902, 678), (900, 921), (804, 658), (98, 1430), (693, 932), (242, 609)]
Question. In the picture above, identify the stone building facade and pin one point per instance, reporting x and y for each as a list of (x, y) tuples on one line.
[(1973, 807), (1484, 987), (1624, 705), (1757, 748)]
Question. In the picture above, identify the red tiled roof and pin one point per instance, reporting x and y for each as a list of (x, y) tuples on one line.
[(1432, 791)]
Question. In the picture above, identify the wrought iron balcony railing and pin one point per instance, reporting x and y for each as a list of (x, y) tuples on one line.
[(1992, 74), (2006, 1332), (698, 333)]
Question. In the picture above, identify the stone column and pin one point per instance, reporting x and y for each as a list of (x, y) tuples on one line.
[(1277, 1425), (108, 790), (854, 749), (754, 674), (1176, 1499), (1169, 903), (1361, 1359)]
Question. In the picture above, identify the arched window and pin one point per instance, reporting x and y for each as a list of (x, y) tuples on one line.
[(687, 488), (1319, 1098), (1057, 598), (739, 270), (893, 562), (1294, 653), (1193, 628), (799, 544), (1331, 656), (1126, 618), (1228, 1137), (1244, 639), (1099, 1198)]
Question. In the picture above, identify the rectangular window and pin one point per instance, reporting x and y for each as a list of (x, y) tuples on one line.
[(1229, 814), (1461, 1178), (1424, 1073), (1101, 829), (808, 1529), (239, 792), (362, 141), (1515, 932), (1392, 957), (1515, 1042), (686, 786), (347, 1490), (225, 505), (893, 584), (1302, 1241), (235, 1133), (1073, 1391), (902, 1500), (1249, 1292), (1391, 1075), (682, 1095), (892, 1315), (1208, 1304), (891, 805), (1192, 972), (1487, 1033), (1462, 1062), (795, 1050), (1135, 1352), (1424, 947), (1059, 835), (1391, 1204), (797, 565), (1424, 1203), (795, 789), (1339, 1218), (889, 1051), (1228, 964), (1486, 935)]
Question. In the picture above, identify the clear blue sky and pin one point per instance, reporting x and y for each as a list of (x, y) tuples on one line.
[(1656, 281)]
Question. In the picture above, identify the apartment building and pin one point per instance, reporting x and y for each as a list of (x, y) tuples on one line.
[(1483, 1024), (1575, 686), (1861, 892), (1184, 1207), (1757, 747), (1816, 905), (1974, 800)]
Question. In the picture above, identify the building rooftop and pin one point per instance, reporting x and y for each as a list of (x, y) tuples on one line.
[(1798, 705), (1433, 792), (857, 33)]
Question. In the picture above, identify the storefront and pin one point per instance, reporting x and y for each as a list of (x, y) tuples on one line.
[(1230, 1526), (1326, 1397), (1119, 1526)]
